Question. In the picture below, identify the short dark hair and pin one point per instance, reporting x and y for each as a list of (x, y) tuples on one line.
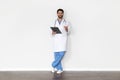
[(60, 10)]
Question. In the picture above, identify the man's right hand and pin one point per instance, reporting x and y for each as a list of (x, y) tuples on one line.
[(53, 33)]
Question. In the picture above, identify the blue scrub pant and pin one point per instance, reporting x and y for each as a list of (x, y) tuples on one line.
[(57, 60)]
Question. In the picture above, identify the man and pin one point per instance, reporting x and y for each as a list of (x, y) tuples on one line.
[(59, 41)]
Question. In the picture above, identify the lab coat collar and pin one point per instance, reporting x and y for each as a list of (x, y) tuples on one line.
[(61, 20)]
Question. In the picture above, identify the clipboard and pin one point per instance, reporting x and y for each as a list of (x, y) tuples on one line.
[(56, 29)]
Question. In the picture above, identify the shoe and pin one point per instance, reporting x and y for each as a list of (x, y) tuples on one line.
[(59, 71), (54, 70)]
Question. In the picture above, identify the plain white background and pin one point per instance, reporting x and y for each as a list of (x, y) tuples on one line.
[(25, 39)]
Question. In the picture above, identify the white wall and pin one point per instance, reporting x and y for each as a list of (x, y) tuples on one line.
[(25, 42)]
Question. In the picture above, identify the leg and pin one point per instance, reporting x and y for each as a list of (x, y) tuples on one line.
[(59, 66), (59, 59), (55, 58)]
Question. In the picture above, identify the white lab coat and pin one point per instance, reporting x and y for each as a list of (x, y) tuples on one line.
[(60, 40)]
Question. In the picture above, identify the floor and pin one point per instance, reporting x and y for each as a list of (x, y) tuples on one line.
[(67, 75)]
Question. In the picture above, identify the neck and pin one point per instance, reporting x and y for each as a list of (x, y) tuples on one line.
[(60, 18)]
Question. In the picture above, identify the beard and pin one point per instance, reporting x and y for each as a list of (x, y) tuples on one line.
[(60, 17)]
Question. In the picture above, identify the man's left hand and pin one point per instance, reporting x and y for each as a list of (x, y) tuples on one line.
[(66, 28)]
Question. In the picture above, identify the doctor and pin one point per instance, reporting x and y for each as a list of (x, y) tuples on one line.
[(59, 41)]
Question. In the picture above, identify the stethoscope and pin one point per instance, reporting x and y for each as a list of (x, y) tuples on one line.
[(59, 23)]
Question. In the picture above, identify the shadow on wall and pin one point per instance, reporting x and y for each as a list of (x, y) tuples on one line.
[(68, 54)]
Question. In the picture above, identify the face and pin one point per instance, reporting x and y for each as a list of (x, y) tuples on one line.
[(60, 14)]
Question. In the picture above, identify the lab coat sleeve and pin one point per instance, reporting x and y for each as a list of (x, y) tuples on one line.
[(50, 31)]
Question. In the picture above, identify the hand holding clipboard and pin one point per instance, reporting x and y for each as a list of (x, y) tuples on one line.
[(56, 29)]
